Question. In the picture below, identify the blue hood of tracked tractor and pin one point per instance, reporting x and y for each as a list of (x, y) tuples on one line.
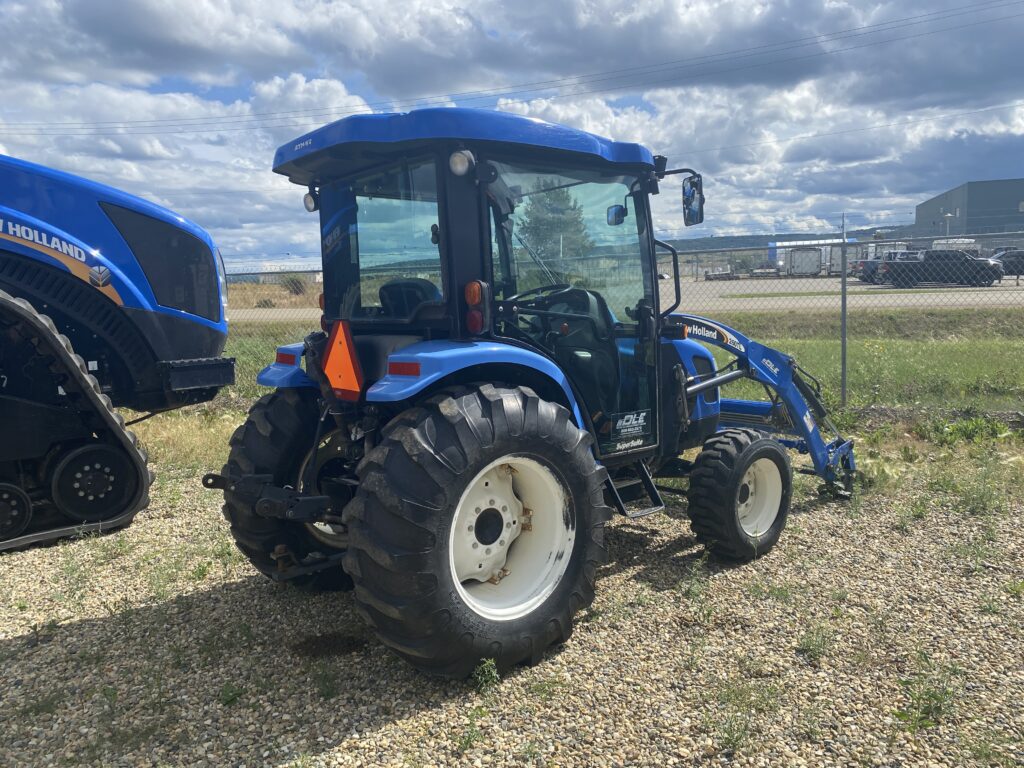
[(362, 141)]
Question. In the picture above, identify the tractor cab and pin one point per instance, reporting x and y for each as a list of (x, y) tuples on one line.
[(469, 225)]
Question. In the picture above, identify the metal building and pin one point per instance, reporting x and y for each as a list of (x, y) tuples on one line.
[(974, 208)]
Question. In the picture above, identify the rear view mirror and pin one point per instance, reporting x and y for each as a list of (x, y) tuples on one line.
[(616, 214), (693, 200)]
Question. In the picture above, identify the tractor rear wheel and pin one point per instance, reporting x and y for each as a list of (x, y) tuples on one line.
[(477, 529), (277, 439), (739, 494)]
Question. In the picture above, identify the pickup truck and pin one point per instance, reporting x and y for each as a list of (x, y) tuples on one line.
[(940, 266)]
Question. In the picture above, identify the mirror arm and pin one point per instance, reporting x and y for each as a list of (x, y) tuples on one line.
[(675, 271), (674, 171)]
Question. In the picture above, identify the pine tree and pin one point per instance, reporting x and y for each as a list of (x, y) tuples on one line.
[(552, 224)]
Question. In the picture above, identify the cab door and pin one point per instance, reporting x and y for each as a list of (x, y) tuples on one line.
[(573, 271)]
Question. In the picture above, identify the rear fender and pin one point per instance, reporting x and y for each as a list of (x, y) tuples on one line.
[(418, 367), (286, 371)]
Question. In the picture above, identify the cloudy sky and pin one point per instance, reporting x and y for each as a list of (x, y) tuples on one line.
[(793, 110)]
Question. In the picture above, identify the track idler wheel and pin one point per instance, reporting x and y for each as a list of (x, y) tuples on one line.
[(15, 511), (94, 483)]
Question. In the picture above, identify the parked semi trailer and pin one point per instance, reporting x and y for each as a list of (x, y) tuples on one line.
[(106, 300)]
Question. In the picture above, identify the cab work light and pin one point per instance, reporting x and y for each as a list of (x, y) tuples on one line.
[(341, 365), (478, 298)]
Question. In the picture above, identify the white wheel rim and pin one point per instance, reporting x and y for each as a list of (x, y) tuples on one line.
[(759, 497), (511, 538)]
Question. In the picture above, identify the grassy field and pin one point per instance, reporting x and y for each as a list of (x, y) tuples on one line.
[(948, 358)]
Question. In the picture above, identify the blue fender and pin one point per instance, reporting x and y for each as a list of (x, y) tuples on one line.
[(286, 371), (438, 359)]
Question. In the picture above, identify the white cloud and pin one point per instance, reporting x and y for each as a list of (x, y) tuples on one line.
[(248, 75)]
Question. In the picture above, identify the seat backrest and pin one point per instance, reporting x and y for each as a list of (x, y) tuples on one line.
[(402, 296)]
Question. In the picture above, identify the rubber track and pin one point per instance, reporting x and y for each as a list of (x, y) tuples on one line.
[(83, 390)]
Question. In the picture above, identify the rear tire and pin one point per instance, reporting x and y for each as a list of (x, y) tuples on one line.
[(739, 494), (275, 440), (417, 529)]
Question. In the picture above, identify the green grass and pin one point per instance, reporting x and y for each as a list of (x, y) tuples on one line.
[(987, 374), (931, 692), (896, 357)]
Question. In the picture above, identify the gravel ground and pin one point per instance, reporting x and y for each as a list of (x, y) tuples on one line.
[(887, 631)]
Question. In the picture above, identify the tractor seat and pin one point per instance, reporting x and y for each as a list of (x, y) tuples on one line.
[(588, 351), (403, 296)]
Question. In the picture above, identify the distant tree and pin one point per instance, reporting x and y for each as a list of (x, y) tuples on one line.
[(553, 226)]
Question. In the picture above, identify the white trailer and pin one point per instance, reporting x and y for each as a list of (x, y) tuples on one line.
[(804, 261)]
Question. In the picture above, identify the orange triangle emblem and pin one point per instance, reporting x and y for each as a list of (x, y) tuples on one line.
[(341, 365)]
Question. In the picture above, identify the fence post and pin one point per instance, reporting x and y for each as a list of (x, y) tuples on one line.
[(842, 317)]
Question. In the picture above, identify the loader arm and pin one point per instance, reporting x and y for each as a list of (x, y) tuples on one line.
[(794, 413)]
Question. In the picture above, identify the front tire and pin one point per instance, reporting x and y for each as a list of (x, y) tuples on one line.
[(739, 494), (477, 530)]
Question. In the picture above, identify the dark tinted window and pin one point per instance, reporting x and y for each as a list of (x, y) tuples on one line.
[(179, 266)]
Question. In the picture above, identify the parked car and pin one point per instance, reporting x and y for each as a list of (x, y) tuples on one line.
[(1012, 261), (876, 274), (865, 269), (941, 266)]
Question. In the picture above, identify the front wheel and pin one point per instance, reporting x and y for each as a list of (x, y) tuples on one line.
[(739, 494), (477, 529)]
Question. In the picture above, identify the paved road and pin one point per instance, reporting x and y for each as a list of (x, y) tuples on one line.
[(803, 294)]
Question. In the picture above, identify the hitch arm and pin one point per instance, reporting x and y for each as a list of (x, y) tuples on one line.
[(265, 499)]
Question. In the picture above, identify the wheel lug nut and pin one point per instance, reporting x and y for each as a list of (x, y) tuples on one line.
[(475, 545), (487, 551), (470, 528)]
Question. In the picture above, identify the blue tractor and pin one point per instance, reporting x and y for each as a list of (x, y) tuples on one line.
[(501, 369), (105, 300)]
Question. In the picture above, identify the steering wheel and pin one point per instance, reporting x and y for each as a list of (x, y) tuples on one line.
[(556, 287)]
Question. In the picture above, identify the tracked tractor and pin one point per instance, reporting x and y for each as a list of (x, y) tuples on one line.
[(106, 300), (501, 368)]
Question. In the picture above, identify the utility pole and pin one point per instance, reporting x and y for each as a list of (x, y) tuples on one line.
[(842, 317)]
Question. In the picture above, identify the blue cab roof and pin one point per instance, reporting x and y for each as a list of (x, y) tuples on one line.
[(347, 144)]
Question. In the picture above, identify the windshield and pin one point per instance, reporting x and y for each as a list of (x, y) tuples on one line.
[(567, 228), (380, 243)]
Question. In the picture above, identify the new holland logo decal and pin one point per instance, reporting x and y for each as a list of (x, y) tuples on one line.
[(714, 334)]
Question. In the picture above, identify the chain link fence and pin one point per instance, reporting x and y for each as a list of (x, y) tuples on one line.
[(929, 322), (932, 322)]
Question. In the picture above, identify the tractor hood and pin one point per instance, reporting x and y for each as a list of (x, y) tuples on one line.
[(362, 141)]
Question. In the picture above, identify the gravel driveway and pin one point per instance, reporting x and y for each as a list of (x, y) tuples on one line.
[(886, 632)]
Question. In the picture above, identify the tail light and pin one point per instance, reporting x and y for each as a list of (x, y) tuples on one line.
[(478, 302)]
